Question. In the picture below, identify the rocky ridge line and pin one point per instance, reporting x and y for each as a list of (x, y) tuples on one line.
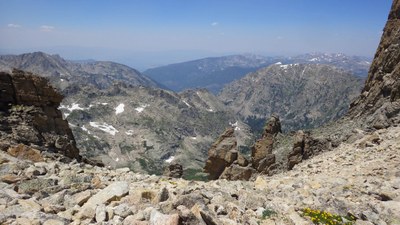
[(379, 102), (377, 107)]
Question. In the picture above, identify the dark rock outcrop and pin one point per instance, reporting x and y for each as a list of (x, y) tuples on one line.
[(174, 170), (219, 156), (29, 115), (306, 146), (379, 103), (261, 153), (224, 161), (237, 172)]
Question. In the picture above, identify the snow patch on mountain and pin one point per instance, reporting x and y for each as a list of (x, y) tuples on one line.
[(288, 65), (85, 129), (186, 103), (71, 108), (129, 132), (235, 125), (74, 106), (104, 127), (119, 109), (141, 108), (170, 159), (284, 66)]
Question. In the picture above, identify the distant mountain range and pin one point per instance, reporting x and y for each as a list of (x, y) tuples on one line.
[(210, 73), (303, 95), (127, 119), (64, 73), (145, 128), (213, 73), (357, 65)]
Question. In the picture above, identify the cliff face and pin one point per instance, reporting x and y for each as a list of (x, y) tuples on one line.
[(29, 115), (379, 102)]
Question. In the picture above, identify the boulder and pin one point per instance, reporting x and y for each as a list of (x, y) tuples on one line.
[(36, 185), (296, 155), (22, 151), (217, 153), (112, 192), (157, 218), (262, 149), (237, 172), (174, 170), (266, 164)]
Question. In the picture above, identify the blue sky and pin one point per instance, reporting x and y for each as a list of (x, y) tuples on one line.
[(148, 32)]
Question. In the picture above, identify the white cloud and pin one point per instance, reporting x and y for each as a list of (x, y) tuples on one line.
[(214, 24), (13, 25), (46, 28)]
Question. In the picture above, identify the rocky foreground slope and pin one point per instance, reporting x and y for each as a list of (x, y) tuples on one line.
[(361, 179)]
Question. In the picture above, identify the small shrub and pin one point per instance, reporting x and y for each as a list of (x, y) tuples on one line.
[(268, 213), (194, 174), (322, 217)]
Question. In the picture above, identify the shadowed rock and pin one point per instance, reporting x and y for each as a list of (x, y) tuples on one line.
[(174, 170), (261, 153), (28, 105), (379, 102), (218, 152)]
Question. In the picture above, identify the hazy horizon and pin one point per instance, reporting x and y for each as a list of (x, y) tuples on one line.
[(145, 34)]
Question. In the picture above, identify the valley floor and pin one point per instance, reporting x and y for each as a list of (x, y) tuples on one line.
[(360, 179)]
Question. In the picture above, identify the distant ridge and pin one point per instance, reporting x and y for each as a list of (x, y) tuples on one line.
[(303, 95), (215, 72), (64, 73)]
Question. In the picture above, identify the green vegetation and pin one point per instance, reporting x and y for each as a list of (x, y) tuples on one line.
[(322, 217), (194, 174), (245, 150), (268, 213), (150, 166), (256, 125)]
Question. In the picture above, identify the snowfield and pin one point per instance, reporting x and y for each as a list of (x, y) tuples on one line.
[(104, 127)]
